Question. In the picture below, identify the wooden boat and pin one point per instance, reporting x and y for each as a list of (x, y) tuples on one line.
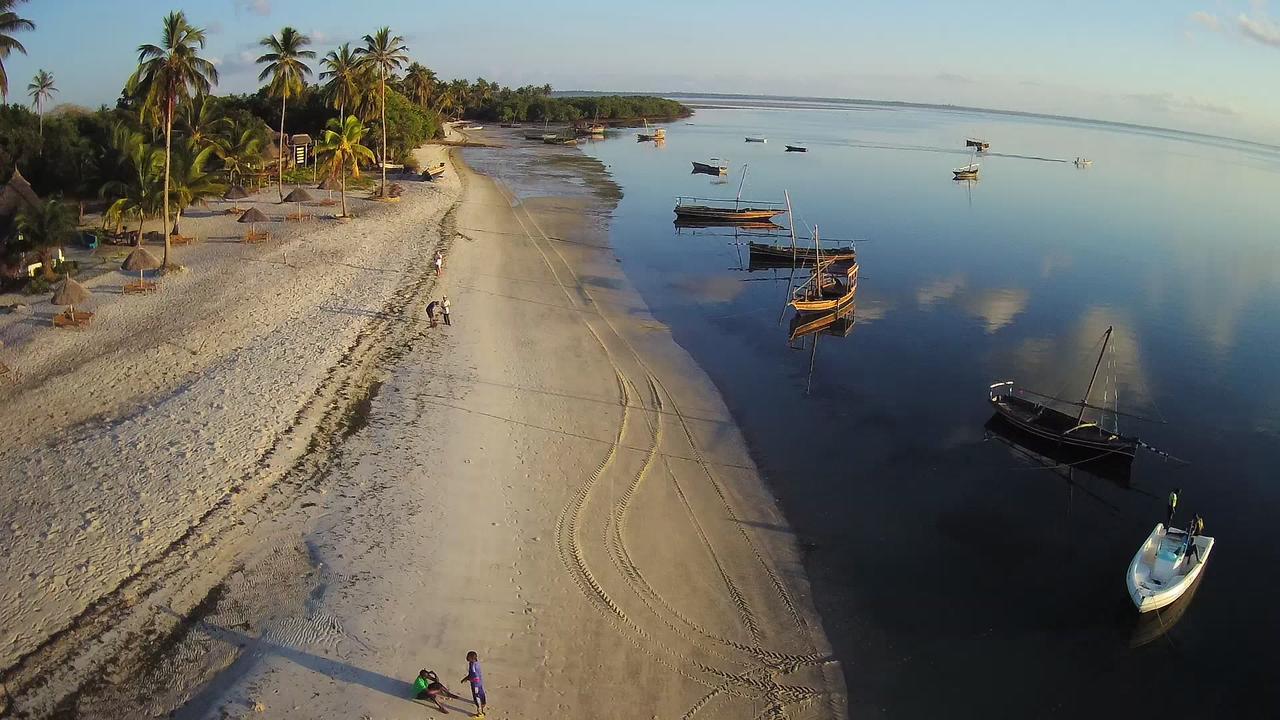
[(797, 148), (651, 134), (594, 130), (830, 287), (1067, 460), (755, 139), (980, 145), (1166, 565), (1037, 418), (968, 172), (474, 127), (1083, 162), (433, 171), (691, 208), (715, 167), (764, 252), (554, 139)]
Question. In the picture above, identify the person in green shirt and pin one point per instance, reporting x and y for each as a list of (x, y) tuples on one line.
[(427, 686)]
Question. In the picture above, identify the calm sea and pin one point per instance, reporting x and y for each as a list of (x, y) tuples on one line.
[(957, 575)]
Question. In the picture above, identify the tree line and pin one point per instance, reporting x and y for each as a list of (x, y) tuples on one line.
[(170, 142)]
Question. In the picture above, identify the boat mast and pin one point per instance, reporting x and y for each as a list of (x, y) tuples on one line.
[(741, 182), (1084, 404)]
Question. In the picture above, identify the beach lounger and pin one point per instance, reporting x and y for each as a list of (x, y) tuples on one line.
[(79, 319), (181, 240), (300, 216), (257, 237), (138, 287)]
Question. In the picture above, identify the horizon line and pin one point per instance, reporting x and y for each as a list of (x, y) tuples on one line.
[(930, 106)]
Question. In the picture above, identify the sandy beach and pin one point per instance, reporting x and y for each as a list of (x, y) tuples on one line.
[(275, 489)]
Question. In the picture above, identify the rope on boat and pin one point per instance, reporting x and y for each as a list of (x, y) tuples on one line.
[(1164, 455)]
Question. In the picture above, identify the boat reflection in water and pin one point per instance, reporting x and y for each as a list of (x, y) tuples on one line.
[(808, 327), (1152, 626), (1068, 461)]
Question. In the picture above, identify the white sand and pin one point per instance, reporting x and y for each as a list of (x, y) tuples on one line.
[(551, 482)]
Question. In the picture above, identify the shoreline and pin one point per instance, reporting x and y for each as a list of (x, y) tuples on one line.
[(602, 573)]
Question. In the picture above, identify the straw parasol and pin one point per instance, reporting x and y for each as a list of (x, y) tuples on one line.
[(71, 293), (140, 259), (253, 216), (299, 196), (235, 193), (329, 184)]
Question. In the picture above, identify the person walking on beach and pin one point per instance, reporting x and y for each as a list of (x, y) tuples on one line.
[(431, 312), (428, 687), (439, 263), (1173, 504), (476, 679), (444, 309)]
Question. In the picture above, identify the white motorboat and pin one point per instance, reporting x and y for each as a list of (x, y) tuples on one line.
[(756, 138), (1083, 162), (968, 172), (1166, 565)]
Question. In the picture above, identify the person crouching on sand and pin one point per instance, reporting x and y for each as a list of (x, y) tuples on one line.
[(431, 312), (428, 687)]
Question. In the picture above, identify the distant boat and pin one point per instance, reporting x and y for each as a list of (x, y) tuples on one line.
[(474, 127), (1037, 418), (715, 167), (656, 133), (554, 139), (1083, 162), (1166, 565), (981, 145), (797, 148), (968, 172), (594, 130), (753, 138)]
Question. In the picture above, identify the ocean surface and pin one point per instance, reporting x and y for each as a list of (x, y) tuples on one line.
[(960, 569)]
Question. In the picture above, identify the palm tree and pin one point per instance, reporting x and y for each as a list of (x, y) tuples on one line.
[(285, 67), (204, 124), (168, 73), (342, 144), (461, 91), (10, 23), (141, 193), (419, 84), (44, 227), (245, 153), (347, 78), (41, 91), (191, 182), (384, 53)]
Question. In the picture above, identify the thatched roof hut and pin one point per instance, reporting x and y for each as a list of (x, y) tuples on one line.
[(298, 195), (140, 259), (234, 192), (16, 195), (71, 293), (253, 215)]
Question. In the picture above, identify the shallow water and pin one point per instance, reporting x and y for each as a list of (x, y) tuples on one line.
[(956, 577)]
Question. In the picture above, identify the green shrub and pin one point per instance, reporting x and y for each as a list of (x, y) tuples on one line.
[(37, 286)]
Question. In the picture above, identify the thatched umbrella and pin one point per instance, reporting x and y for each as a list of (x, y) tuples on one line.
[(235, 193), (253, 216), (329, 184), (140, 259), (71, 293), (299, 196)]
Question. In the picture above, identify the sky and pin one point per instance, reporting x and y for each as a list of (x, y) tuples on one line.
[(1201, 65)]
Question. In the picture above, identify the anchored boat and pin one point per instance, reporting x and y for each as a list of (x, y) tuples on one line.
[(715, 167), (1166, 565), (756, 139), (650, 134), (968, 172), (1027, 410), (979, 145), (797, 148), (695, 209)]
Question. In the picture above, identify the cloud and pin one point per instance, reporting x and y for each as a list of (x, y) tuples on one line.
[(237, 62), (998, 308), (1260, 29), (1208, 21), (953, 78), (939, 290), (318, 37), (214, 27), (257, 7)]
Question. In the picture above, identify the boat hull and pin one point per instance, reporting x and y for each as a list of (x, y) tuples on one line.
[(831, 301), (796, 148), (781, 252), (1150, 594), (709, 214), (1053, 425), (707, 169)]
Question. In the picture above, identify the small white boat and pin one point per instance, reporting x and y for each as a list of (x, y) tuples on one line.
[(753, 138), (1083, 162), (1166, 565), (968, 172), (475, 127)]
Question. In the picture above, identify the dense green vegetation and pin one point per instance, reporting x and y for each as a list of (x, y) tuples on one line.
[(169, 142)]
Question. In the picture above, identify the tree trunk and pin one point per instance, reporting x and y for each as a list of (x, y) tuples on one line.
[(383, 92), (343, 171), (46, 265), (280, 167), (168, 139)]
